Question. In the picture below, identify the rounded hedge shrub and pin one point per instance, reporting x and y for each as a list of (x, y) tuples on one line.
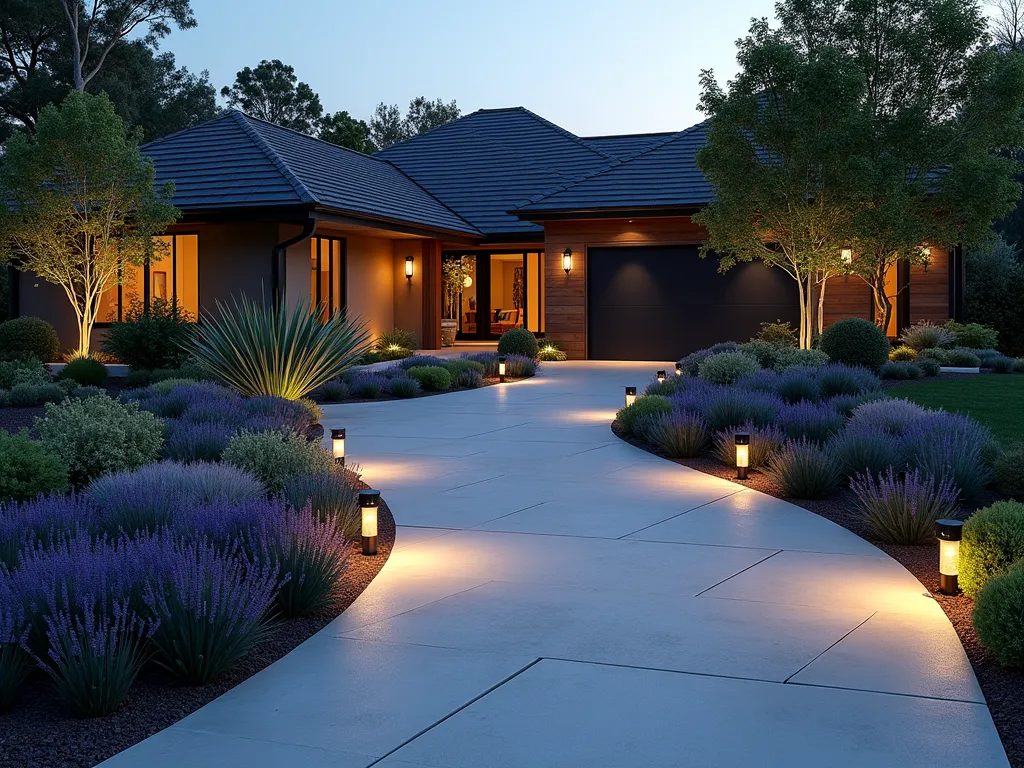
[(28, 469), (1000, 364), (725, 368), (86, 371), (28, 337), (793, 357), (901, 371), (999, 617), (518, 341), (855, 341), (928, 366), (648, 405), (433, 378), (275, 457), (1007, 476), (972, 335), (993, 540), (962, 358)]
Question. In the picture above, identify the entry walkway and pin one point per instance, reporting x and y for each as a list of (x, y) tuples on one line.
[(558, 597)]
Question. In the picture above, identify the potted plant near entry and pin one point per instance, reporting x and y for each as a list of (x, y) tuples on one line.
[(453, 275)]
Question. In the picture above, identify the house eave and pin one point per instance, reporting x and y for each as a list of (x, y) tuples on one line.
[(608, 213)]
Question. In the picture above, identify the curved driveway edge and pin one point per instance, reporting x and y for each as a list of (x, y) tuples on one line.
[(557, 597)]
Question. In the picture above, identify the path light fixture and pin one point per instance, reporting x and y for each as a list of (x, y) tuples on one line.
[(338, 446), (501, 368), (846, 255), (661, 377), (567, 260), (630, 396), (679, 369), (742, 454), (408, 268), (949, 533), (369, 503)]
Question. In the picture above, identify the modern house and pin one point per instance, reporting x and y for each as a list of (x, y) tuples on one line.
[(587, 241)]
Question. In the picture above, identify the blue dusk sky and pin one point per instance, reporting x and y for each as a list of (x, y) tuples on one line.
[(591, 66)]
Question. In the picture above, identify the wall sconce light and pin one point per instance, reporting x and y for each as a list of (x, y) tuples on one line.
[(501, 368), (567, 260), (369, 502), (408, 268), (926, 255), (679, 369), (949, 533), (846, 255), (630, 396), (661, 377), (338, 446), (742, 454)]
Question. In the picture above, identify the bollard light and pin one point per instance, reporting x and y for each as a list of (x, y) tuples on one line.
[(501, 368), (661, 377), (742, 454), (369, 503), (630, 396), (408, 268), (949, 533), (679, 369), (338, 446)]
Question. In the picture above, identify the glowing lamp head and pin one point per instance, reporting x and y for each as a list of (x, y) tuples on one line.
[(679, 369), (567, 260), (742, 454), (369, 503), (630, 396), (408, 268), (846, 255), (662, 376), (338, 445), (926, 255), (501, 367), (949, 533)]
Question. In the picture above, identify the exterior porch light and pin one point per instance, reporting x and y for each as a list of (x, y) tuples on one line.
[(926, 255), (846, 255), (949, 533), (369, 502), (630, 396), (679, 369), (661, 377), (742, 454), (501, 368), (567, 260), (408, 268), (338, 446)]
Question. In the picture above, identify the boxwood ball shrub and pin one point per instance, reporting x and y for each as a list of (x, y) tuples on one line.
[(926, 335), (27, 371), (855, 341), (433, 378), (28, 469), (28, 337), (804, 470), (999, 617), (274, 457), (900, 371), (929, 366), (86, 371), (727, 367), (792, 357), (993, 541), (1008, 478), (648, 405), (518, 341), (903, 509), (962, 358), (99, 435)]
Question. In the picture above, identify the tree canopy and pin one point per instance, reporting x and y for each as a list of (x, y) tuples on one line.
[(272, 92), (346, 131), (388, 126)]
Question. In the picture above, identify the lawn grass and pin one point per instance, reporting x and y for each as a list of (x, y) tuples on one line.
[(997, 401)]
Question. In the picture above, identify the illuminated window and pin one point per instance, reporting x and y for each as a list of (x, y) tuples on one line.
[(173, 274), (327, 275)]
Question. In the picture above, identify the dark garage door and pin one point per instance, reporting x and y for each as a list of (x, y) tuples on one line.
[(663, 302)]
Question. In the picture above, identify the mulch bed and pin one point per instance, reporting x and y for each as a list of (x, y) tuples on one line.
[(1003, 687), (38, 732)]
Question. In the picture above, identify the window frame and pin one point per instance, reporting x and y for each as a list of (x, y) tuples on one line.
[(342, 277)]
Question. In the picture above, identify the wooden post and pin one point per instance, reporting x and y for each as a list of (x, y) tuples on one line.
[(431, 294)]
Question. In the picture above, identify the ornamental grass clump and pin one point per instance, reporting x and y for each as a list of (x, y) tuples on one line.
[(332, 392), (952, 445), (213, 607), (903, 509), (893, 416), (730, 407), (993, 542), (926, 335), (310, 555), (999, 617), (866, 450), (332, 496), (811, 421), (262, 348), (900, 371), (764, 442), (796, 385), (489, 360), (677, 434), (1001, 364), (804, 470)]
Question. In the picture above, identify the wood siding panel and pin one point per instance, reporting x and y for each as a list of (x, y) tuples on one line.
[(846, 297), (929, 289)]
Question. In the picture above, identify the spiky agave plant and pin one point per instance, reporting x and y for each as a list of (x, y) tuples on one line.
[(267, 349)]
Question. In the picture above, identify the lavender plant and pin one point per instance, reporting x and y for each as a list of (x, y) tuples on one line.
[(894, 416), (677, 434), (42, 522), (804, 470), (951, 445), (14, 666), (368, 385), (903, 510), (811, 421), (188, 441), (332, 495), (796, 385), (866, 450)]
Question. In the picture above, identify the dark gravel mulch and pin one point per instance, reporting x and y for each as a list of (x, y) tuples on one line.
[(38, 732), (1003, 687)]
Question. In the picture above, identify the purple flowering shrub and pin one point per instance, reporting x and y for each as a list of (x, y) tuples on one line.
[(42, 522), (894, 416), (952, 445), (811, 421), (14, 662), (368, 385), (213, 606), (189, 441), (333, 496), (804, 469), (798, 384), (677, 434), (867, 450), (903, 509)]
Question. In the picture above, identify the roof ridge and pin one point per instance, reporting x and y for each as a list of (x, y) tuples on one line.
[(564, 132), (629, 135), (618, 163), (432, 196), (271, 154)]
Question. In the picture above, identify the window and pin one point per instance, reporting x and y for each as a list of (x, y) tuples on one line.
[(327, 275), (172, 276)]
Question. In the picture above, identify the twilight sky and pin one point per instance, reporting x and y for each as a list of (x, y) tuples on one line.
[(592, 66)]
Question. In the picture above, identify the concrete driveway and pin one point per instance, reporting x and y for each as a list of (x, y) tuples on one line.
[(557, 597)]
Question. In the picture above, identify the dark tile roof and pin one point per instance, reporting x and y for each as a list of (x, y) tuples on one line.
[(489, 162), (236, 161), (624, 146), (664, 175)]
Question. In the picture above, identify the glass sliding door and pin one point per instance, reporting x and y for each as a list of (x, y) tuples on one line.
[(327, 276), (490, 293)]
